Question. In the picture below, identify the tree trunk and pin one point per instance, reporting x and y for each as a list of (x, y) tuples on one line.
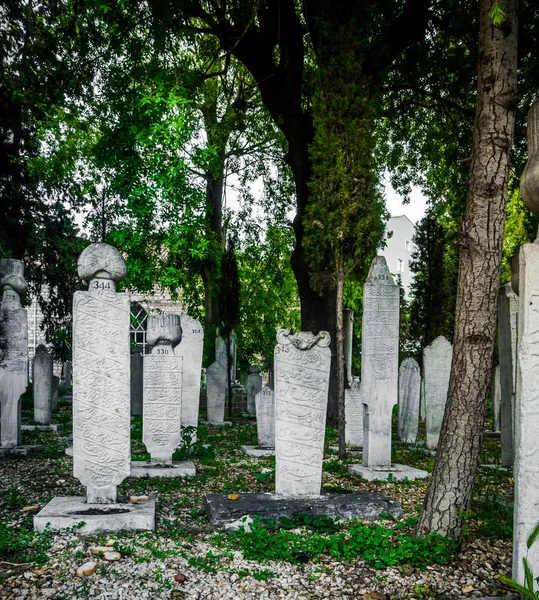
[(340, 367), (450, 490)]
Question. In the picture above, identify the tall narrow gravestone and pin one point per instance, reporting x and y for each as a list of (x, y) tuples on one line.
[(348, 326), (190, 350), (409, 392), (353, 414), (379, 375), (265, 424), (101, 375), (526, 469), (162, 400), (379, 364), (101, 402), (14, 367), (437, 360), (496, 399), (302, 363), (215, 393), (42, 386), (254, 385), (507, 348)]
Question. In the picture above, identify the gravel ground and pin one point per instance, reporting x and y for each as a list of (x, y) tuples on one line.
[(174, 561)]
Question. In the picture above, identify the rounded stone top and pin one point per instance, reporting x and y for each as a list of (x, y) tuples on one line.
[(529, 182), (379, 272), (41, 350), (255, 369), (163, 330), (101, 261), (12, 275)]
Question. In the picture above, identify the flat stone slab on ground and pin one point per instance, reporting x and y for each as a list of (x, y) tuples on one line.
[(67, 511), (399, 472), (53, 428), (144, 468), (258, 452), (358, 505), (20, 450)]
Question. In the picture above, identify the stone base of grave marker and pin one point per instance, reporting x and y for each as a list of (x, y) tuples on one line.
[(68, 511), (359, 505), (52, 428), (395, 472), (216, 424), (69, 451), (258, 452), (20, 450), (143, 468)]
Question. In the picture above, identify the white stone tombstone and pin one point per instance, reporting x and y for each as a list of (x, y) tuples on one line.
[(162, 398), (353, 414), (422, 406), (190, 349), (348, 326), (496, 399), (253, 387), (437, 360), (101, 373), (409, 397), (42, 374), (215, 393), (526, 444), (14, 367), (526, 447), (265, 417), (507, 349), (379, 362), (302, 363)]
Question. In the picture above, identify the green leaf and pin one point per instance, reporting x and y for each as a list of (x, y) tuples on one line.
[(519, 588), (497, 14), (533, 536)]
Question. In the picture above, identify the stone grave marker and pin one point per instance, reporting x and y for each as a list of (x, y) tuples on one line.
[(507, 349), (353, 411), (437, 360), (14, 370), (190, 350), (42, 386), (101, 402), (379, 375), (265, 424), (496, 399), (302, 362), (348, 326), (55, 387), (409, 391), (526, 441), (215, 393), (254, 385), (162, 400), (45, 388)]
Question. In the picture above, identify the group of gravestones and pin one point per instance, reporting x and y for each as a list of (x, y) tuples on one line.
[(295, 407)]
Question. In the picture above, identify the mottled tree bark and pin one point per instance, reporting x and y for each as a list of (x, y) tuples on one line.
[(450, 491)]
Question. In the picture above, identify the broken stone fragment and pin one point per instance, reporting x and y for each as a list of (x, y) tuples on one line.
[(99, 549), (31, 508), (87, 569)]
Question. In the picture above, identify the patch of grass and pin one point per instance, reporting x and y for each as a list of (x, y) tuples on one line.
[(378, 546), (23, 544)]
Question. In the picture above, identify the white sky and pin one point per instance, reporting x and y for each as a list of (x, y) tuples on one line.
[(415, 210)]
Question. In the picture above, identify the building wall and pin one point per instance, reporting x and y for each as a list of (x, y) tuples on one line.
[(399, 248)]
